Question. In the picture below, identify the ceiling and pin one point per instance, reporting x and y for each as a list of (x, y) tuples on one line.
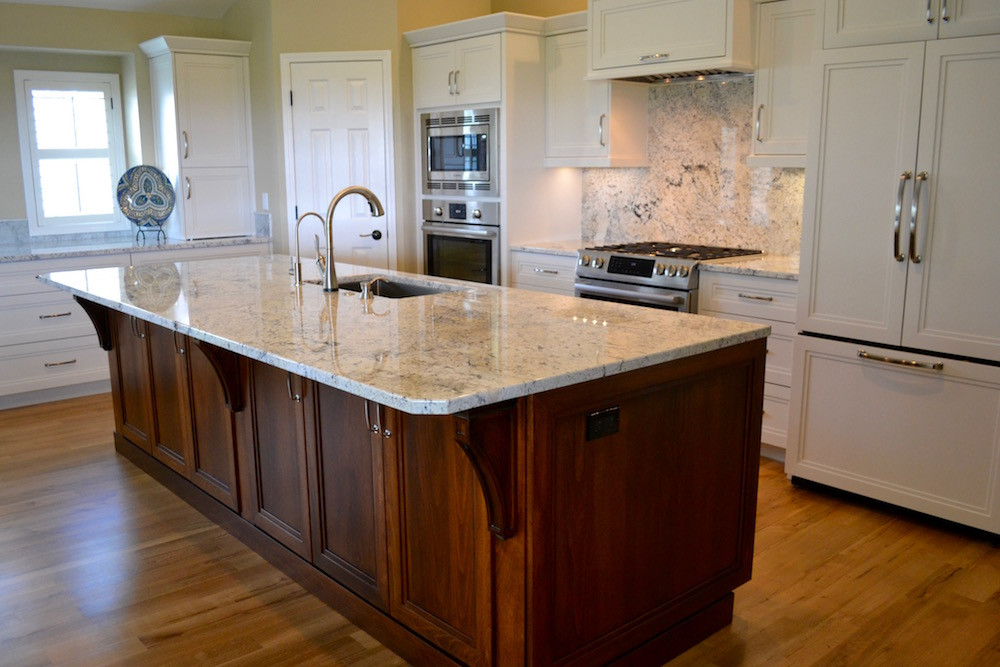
[(209, 9)]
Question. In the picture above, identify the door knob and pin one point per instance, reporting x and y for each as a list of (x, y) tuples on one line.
[(376, 234)]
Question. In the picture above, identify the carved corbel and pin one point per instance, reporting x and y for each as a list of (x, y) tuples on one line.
[(227, 368), (489, 440), (99, 315)]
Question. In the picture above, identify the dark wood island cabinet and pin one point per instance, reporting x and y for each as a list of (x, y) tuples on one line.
[(604, 521)]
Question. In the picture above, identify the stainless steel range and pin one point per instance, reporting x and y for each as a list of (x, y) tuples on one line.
[(660, 275)]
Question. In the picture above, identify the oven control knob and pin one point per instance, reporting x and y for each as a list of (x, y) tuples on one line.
[(584, 260), (438, 210), (671, 270), (660, 269), (684, 271), (476, 213), (597, 262)]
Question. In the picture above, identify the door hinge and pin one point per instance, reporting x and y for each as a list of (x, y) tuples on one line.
[(112, 100), (296, 211), (291, 99)]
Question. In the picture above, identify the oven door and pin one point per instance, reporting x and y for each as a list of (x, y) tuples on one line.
[(683, 301), (463, 252)]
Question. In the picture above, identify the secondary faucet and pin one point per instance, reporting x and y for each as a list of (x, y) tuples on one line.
[(330, 273)]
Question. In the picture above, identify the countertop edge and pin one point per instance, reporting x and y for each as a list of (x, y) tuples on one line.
[(98, 249)]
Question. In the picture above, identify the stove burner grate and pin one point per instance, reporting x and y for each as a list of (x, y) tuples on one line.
[(679, 250)]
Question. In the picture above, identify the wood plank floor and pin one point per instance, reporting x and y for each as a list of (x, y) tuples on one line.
[(99, 565)]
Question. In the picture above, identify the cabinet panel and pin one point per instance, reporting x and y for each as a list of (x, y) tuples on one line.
[(861, 22), (477, 70), (433, 76), (173, 444), (774, 422), (924, 439), (27, 318), (211, 110), (47, 364), (350, 539), (130, 362), (969, 17), (213, 464), (216, 202), (960, 153), (543, 272), (862, 141)]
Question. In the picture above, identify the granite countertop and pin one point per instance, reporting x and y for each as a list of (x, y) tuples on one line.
[(435, 354), (783, 267), (566, 248), (35, 249)]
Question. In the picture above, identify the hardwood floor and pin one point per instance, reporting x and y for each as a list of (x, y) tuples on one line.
[(100, 565)]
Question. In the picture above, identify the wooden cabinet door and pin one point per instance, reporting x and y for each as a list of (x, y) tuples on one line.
[(173, 444), (477, 70), (131, 384), (862, 148), (439, 543), (349, 540), (211, 110), (957, 246), (278, 501)]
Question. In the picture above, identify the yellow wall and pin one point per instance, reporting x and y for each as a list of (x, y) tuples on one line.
[(539, 7)]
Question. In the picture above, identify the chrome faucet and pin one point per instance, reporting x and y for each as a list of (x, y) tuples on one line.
[(330, 273), (297, 267)]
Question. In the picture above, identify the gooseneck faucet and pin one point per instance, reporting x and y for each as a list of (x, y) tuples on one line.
[(329, 272)]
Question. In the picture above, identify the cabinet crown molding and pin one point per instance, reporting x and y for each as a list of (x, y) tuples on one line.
[(479, 25), (165, 44)]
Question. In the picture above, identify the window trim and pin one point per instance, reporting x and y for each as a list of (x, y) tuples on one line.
[(24, 81)]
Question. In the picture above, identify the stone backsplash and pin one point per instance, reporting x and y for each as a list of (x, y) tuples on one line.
[(698, 187)]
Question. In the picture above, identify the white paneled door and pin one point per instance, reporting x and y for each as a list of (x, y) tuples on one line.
[(338, 115)]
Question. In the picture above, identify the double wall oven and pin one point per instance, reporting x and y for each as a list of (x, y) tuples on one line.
[(659, 275), (460, 204)]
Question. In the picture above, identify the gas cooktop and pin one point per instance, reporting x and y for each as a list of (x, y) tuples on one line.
[(673, 250)]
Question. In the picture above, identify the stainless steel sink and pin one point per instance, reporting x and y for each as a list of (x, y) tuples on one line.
[(393, 289)]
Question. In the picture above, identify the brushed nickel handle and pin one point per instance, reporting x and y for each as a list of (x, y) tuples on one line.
[(185, 135), (914, 211), (653, 57), (297, 397), (457, 89), (51, 364), (944, 11), (903, 178), (179, 349), (909, 363), (754, 297), (451, 86), (381, 417), (136, 327), (187, 182), (930, 17), (757, 125), (600, 128), (548, 271), (50, 316), (373, 427)]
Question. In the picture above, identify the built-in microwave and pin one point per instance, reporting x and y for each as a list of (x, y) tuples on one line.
[(460, 152)]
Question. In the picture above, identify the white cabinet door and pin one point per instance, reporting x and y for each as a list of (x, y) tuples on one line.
[(211, 110), (862, 141), (964, 18), (861, 22), (921, 438), (628, 33), (433, 76), (950, 305), (786, 37), (216, 203), (462, 72)]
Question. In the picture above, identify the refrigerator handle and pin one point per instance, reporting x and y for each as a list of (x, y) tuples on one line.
[(903, 178), (914, 211)]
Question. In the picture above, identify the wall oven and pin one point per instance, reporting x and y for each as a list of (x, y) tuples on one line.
[(462, 240), (460, 152)]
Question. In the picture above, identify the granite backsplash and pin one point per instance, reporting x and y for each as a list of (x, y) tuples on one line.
[(698, 187)]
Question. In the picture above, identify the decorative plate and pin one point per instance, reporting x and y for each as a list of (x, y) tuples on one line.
[(146, 196)]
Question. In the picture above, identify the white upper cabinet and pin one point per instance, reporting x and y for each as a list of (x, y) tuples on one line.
[(900, 202), (862, 22), (213, 126), (590, 123), (460, 72), (638, 38), (787, 33)]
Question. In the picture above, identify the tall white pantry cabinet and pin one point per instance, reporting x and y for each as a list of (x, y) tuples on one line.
[(896, 381), (201, 111)]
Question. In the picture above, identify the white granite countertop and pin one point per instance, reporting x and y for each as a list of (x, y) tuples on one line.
[(566, 248), (41, 249), (434, 354), (783, 267)]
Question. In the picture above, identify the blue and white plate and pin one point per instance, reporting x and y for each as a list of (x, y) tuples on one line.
[(146, 196)]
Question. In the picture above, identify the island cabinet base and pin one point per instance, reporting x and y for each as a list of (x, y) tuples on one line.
[(605, 522)]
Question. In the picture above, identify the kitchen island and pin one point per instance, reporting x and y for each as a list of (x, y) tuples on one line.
[(479, 475)]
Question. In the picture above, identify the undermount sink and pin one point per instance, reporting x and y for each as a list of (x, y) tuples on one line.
[(394, 289)]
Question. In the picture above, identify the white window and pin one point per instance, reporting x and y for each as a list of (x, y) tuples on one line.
[(72, 150)]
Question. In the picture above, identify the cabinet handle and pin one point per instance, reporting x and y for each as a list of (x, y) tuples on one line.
[(930, 18), (187, 182), (136, 327), (936, 366), (179, 349), (451, 86), (903, 178), (50, 364), (548, 271), (47, 317), (914, 211), (457, 89), (600, 128), (185, 135), (381, 417), (653, 57), (288, 385), (754, 297), (944, 11), (757, 124), (374, 428)]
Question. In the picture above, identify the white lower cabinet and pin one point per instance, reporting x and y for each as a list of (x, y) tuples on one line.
[(543, 272), (923, 438), (764, 300)]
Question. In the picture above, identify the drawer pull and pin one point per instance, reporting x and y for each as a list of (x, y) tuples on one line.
[(548, 271), (653, 57), (936, 366), (295, 396), (47, 317), (754, 297), (51, 364)]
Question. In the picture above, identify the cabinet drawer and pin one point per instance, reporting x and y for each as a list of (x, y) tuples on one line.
[(28, 318), (20, 277), (34, 366), (734, 294), (774, 426), (543, 272), (778, 368)]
